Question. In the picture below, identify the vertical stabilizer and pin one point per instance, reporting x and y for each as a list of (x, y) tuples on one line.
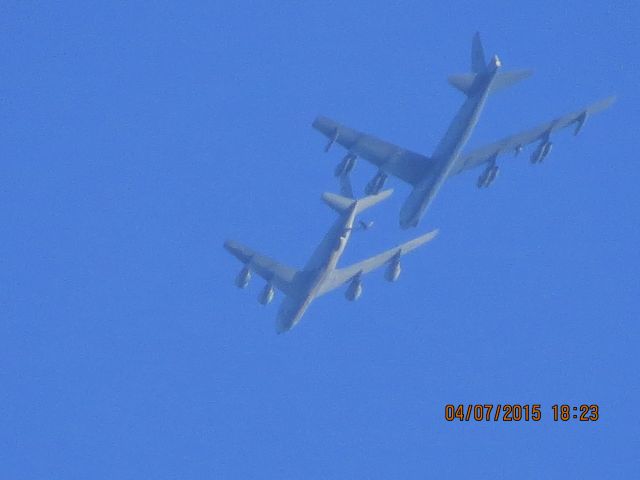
[(479, 67), (478, 62)]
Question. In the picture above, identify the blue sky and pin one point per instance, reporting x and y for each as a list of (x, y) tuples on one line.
[(136, 138)]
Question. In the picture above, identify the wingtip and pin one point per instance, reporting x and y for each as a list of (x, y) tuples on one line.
[(385, 193), (229, 245), (431, 235), (602, 104)]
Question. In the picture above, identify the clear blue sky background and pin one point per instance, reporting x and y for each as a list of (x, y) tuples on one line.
[(135, 138)]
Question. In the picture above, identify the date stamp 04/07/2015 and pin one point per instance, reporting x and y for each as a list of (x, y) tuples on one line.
[(514, 412)]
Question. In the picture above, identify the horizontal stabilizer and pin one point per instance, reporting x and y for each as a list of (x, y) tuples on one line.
[(342, 204), (339, 203), (506, 79), (464, 82), (371, 200)]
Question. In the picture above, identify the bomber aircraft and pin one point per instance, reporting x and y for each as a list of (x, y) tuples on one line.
[(320, 274), (427, 174)]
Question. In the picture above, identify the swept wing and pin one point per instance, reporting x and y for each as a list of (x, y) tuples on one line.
[(399, 162), (340, 276), (519, 140), (279, 275)]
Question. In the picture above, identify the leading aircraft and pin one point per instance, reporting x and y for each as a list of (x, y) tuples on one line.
[(427, 174), (321, 275)]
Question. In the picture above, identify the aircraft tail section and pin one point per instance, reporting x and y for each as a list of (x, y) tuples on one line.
[(464, 82), (339, 203), (478, 62), (506, 79), (479, 66), (342, 204), (371, 200)]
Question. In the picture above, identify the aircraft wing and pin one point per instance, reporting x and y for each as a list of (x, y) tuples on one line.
[(279, 275), (399, 162), (514, 142), (340, 276)]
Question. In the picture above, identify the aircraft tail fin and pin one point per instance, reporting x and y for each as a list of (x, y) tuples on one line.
[(479, 65), (342, 204), (478, 62)]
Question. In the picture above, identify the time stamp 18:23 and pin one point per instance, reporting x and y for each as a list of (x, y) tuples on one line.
[(514, 412)]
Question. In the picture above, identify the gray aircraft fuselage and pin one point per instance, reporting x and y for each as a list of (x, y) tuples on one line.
[(315, 272), (450, 146)]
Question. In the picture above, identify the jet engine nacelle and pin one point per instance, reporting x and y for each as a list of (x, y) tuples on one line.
[(267, 294), (346, 165), (580, 123), (242, 280), (393, 271), (541, 151), (355, 290), (488, 176), (376, 184)]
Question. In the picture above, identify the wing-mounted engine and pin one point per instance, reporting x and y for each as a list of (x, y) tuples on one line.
[(346, 165), (355, 289), (242, 280), (393, 270), (490, 173), (376, 184), (517, 150), (542, 150), (267, 294), (580, 122)]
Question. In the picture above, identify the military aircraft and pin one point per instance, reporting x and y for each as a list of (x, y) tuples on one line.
[(320, 274), (427, 175)]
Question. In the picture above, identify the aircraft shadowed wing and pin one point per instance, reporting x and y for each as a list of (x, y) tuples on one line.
[(340, 276), (399, 162), (279, 275), (515, 142)]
